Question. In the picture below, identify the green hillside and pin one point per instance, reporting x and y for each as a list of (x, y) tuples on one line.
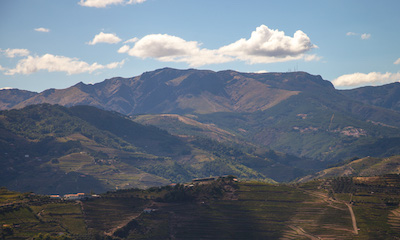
[(53, 149)]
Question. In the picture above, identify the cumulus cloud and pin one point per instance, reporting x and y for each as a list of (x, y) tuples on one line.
[(169, 48), (362, 79), (264, 46), (11, 53), (110, 38), (397, 61), (42, 30), (105, 3), (163, 45), (351, 34), (267, 45), (52, 63)]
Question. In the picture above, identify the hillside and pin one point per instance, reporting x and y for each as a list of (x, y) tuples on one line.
[(342, 208), (54, 149), (360, 167), (386, 96), (319, 130)]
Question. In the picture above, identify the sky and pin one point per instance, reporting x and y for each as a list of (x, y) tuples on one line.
[(56, 44)]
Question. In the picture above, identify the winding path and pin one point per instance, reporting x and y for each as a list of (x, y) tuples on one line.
[(353, 218)]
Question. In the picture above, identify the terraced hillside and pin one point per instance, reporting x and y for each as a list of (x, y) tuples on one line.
[(252, 210), (339, 208)]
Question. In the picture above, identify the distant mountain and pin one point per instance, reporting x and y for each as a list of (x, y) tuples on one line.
[(295, 113), (386, 96), (184, 91), (11, 97)]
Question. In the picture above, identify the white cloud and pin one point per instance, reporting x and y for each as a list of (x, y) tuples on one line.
[(105, 3), (52, 63), (114, 64), (362, 79), (132, 40), (397, 61), (163, 45), (123, 49), (110, 38), (264, 46), (365, 36), (11, 53), (42, 30), (267, 45), (167, 48)]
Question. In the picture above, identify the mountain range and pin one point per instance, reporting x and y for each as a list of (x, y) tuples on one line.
[(201, 91), (266, 125)]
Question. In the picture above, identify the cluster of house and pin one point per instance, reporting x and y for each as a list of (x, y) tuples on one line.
[(74, 196)]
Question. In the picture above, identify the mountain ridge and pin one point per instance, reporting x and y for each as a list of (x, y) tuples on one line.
[(387, 96), (169, 91)]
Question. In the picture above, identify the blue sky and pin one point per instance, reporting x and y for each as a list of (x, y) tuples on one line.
[(56, 44)]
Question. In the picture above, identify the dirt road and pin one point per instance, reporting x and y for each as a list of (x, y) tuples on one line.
[(353, 218)]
